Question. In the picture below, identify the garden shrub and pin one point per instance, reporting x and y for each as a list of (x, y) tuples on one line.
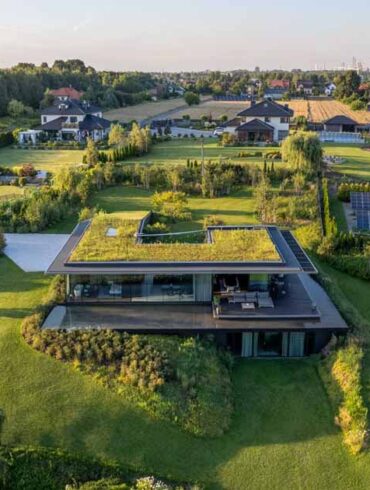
[(37, 468), (182, 379), (345, 189), (352, 414)]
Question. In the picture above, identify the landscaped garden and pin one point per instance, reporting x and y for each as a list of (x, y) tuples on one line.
[(49, 160)]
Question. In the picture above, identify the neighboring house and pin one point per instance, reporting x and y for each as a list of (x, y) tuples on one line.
[(261, 306), (330, 89), (262, 122), (341, 124), (284, 84), (305, 87), (72, 120), (276, 93), (66, 93)]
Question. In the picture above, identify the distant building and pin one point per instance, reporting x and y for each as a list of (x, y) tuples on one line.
[(341, 124), (66, 93), (305, 87), (330, 89), (275, 93), (284, 84)]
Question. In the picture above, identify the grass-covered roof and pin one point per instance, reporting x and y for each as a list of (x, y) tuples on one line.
[(229, 245)]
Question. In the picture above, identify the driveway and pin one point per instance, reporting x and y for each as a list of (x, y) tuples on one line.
[(33, 252)]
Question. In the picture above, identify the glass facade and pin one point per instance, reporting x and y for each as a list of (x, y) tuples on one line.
[(273, 344), (131, 288)]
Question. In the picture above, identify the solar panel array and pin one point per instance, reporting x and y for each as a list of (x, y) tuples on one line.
[(363, 219), (360, 203), (360, 200), (300, 255)]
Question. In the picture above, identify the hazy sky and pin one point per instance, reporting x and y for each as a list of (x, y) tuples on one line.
[(191, 35)]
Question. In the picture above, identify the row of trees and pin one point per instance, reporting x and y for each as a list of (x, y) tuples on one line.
[(26, 83)]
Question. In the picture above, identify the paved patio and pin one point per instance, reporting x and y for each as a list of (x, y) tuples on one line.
[(34, 252)]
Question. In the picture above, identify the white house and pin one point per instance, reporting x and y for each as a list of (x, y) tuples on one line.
[(261, 122), (330, 88), (69, 119)]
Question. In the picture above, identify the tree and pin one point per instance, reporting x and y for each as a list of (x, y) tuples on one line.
[(16, 108), (173, 205), (191, 98), (228, 139), (91, 154), (303, 152), (265, 202), (2, 242), (117, 135), (347, 84)]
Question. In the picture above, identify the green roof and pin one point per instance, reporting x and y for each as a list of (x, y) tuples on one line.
[(228, 245)]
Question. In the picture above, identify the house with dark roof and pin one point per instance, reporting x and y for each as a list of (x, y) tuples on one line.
[(275, 93), (262, 122), (250, 286), (305, 87), (69, 120), (341, 124)]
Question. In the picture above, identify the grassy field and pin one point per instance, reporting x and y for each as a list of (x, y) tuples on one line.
[(10, 190), (357, 160), (145, 110), (282, 434), (179, 150), (49, 160), (212, 109)]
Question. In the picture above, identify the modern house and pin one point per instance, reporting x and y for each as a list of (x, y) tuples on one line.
[(68, 120), (265, 121), (276, 93), (330, 89), (250, 286)]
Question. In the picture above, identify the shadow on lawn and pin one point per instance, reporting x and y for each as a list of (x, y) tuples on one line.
[(276, 402)]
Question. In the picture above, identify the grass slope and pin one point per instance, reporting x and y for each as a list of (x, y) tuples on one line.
[(50, 160), (357, 160), (282, 435)]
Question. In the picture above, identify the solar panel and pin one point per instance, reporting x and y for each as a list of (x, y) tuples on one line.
[(299, 253), (360, 200), (363, 219)]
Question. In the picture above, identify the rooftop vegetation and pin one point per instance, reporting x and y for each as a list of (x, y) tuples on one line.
[(247, 245)]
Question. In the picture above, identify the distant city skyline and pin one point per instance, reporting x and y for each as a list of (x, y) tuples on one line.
[(163, 36)]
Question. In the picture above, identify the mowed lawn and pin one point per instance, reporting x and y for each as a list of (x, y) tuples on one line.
[(180, 150), (50, 160), (357, 160), (282, 433)]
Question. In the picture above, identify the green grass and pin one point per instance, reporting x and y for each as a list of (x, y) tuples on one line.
[(50, 160), (10, 190), (178, 151), (337, 210), (282, 433), (357, 160)]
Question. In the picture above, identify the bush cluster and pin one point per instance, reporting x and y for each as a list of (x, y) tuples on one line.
[(185, 380), (352, 416), (345, 189), (330, 225), (28, 468)]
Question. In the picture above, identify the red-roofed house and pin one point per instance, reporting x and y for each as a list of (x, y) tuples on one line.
[(66, 93), (279, 84)]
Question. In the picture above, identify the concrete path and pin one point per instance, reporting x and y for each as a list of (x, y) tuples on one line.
[(33, 252)]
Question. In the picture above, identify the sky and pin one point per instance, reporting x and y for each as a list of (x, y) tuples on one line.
[(165, 35)]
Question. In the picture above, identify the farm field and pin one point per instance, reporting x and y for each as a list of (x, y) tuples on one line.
[(357, 160), (145, 110), (321, 110), (213, 109), (50, 160)]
